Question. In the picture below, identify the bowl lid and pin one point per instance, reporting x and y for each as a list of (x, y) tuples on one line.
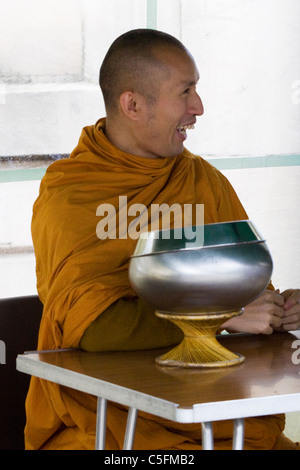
[(196, 237)]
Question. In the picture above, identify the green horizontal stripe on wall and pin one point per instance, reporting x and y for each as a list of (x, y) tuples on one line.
[(222, 163), (24, 174), (268, 161)]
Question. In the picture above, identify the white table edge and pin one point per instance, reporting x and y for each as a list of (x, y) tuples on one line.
[(96, 387), (202, 412)]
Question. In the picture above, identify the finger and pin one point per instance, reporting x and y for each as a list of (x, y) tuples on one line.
[(287, 293), (278, 311), (278, 299), (288, 319), (276, 321), (291, 326), (292, 299), (268, 330), (273, 297), (273, 310), (295, 310)]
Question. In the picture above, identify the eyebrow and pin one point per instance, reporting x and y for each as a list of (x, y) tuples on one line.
[(191, 83)]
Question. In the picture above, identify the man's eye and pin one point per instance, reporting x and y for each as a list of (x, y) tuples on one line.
[(186, 91)]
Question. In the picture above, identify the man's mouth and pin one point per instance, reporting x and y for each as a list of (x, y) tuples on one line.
[(182, 129)]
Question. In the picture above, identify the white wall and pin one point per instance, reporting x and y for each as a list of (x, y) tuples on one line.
[(271, 197), (50, 55), (248, 54)]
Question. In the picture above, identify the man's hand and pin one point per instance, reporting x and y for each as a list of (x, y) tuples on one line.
[(291, 308), (265, 314)]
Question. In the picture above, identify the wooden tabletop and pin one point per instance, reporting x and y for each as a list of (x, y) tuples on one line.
[(267, 382)]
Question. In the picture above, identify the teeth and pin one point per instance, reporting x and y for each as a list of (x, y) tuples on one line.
[(184, 128)]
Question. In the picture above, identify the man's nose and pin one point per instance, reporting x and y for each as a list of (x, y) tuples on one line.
[(196, 107)]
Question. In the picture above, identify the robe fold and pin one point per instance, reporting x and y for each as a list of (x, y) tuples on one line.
[(79, 276)]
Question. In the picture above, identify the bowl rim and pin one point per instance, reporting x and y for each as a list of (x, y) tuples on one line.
[(148, 240), (197, 248)]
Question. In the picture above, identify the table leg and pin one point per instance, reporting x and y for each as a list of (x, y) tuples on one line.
[(101, 423), (130, 429), (207, 436), (238, 434)]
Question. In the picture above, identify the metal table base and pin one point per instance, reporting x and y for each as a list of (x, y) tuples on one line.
[(207, 430)]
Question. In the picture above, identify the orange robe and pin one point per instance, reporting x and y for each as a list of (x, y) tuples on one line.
[(79, 276)]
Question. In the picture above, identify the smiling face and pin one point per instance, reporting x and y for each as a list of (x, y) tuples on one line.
[(162, 128), (157, 106)]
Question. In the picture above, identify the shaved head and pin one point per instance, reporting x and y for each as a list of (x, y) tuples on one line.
[(133, 63)]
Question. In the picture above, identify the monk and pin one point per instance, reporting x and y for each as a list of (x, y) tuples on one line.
[(148, 80)]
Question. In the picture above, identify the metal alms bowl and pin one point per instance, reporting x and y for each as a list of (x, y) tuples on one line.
[(202, 269)]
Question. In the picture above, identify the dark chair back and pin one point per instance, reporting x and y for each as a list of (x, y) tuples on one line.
[(19, 325)]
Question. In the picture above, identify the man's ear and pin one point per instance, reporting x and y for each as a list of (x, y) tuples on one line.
[(130, 104)]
